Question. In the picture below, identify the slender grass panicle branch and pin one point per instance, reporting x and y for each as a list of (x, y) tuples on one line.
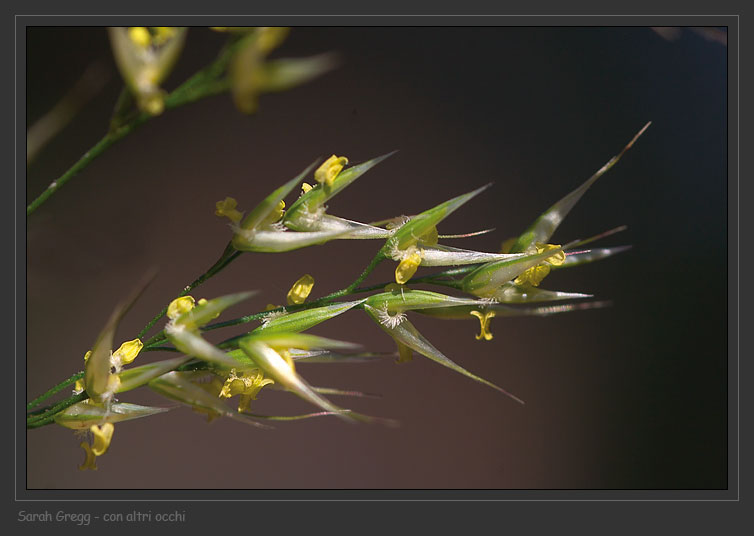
[(202, 375)]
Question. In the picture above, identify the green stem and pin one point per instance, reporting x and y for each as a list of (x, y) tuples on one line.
[(229, 255), (59, 387)]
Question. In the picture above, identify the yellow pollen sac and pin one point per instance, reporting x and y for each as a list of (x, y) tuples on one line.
[(90, 461), (140, 36), (86, 356), (102, 438), (484, 322), (305, 187), (79, 386), (407, 268), (275, 215), (300, 290), (247, 385), (327, 172), (179, 306), (533, 275), (128, 351), (536, 274), (227, 208), (557, 259)]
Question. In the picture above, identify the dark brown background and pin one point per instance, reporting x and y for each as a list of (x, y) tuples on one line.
[(629, 397)]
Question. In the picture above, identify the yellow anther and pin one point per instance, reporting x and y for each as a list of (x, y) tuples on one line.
[(247, 385), (407, 268), (227, 208), (140, 36), (305, 187), (506, 246), (201, 301), (179, 306), (90, 461), (536, 274), (86, 355), (102, 438), (128, 351), (533, 275), (484, 322), (79, 386), (300, 290), (275, 215), (404, 353), (429, 238), (327, 172), (557, 259)]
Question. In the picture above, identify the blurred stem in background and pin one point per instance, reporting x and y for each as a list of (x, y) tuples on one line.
[(94, 79)]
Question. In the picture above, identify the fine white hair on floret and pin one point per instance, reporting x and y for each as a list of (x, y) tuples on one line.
[(246, 234), (388, 320), (277, 227), (270, 316), (398, 254), (310, 220)]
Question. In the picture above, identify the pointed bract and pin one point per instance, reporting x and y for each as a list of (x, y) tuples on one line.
[(464, 312), (82, 415), (191, 343), (488, 278), (275, 367), (138, 376), (544, 226), (270, 203), (298, 216), (400, 300), (408, 234), (514, 293), (302, 320), (98, 366), (351, 230), (405, 333), (440, 255), (280, 241)]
